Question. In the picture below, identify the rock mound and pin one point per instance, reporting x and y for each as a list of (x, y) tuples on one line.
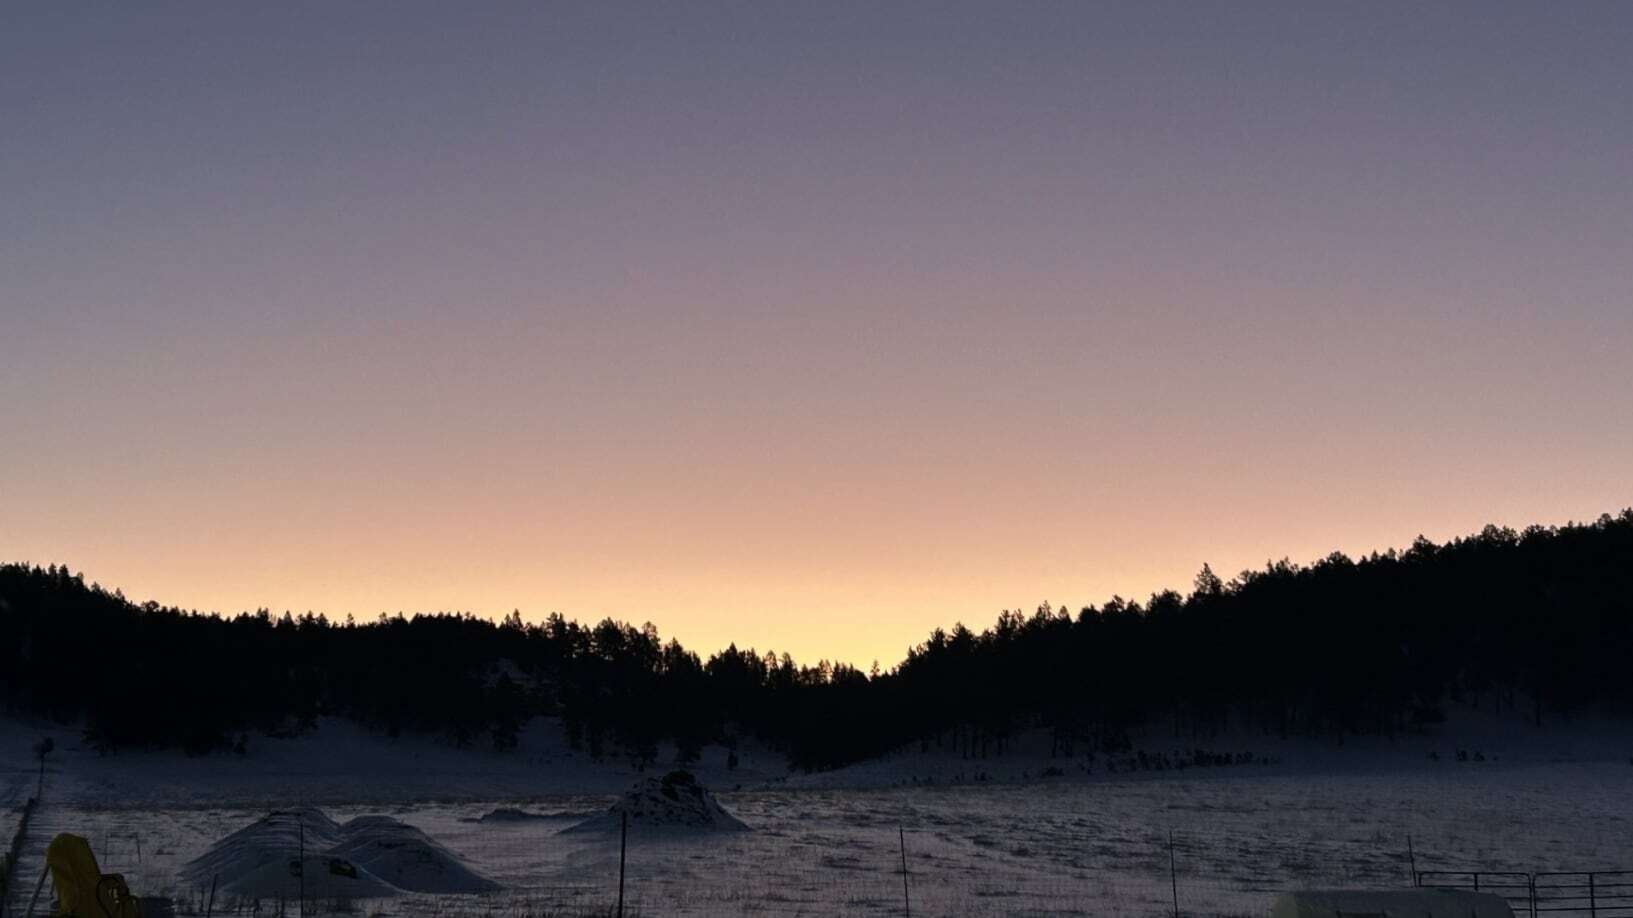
[(369, 857), (675, 801), (508, 814)]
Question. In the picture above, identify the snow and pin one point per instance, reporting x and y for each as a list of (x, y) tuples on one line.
[(1415, 903), (342, 764), (988, 837), (1482, 736)]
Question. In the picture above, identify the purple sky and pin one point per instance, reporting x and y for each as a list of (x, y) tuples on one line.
[(809, 326)]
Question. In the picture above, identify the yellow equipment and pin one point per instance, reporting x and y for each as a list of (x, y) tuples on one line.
[(83, 890)]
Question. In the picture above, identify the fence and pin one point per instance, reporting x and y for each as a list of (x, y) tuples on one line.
[(1594, 893), (1103, 849), (8, 859)]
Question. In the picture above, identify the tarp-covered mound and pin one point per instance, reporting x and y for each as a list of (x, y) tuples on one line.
[(369, 857), (675, 802)]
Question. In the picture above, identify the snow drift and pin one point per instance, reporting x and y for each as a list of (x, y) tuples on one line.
[(368, 857), (674, 802)]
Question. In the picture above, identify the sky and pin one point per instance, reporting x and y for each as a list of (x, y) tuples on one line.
[(804, 326)]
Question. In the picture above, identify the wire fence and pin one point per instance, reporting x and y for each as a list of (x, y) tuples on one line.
[(1197, 850), (899, 873), (876, 870)]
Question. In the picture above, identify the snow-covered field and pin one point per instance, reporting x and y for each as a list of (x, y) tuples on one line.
[(1012, 843)]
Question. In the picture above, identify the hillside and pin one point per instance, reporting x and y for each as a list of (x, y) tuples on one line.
[(1535, 624)]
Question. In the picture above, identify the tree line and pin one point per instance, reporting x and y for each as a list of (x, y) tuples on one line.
[(1538, 622)]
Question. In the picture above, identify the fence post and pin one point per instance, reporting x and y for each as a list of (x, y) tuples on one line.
[(1593, 900), (209, 906), (1173, 875), (1412, 859), (907, 905), (37, 887), (1531, 888), (623, 845)]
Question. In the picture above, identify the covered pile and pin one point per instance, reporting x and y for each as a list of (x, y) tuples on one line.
[(367, 858), (675, 801)]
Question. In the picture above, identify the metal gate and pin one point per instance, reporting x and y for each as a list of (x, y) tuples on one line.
[(1514, 887), (1593, 893), (1596, 893)]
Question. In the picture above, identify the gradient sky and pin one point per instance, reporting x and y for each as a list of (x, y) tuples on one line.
[(806, 326)]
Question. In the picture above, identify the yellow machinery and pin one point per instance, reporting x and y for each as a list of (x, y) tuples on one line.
[(83, 890)]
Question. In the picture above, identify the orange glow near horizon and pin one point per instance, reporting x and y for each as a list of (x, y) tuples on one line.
[(857, 577), (809, 331)]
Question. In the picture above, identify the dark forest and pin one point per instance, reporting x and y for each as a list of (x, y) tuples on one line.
[(1538, 622)]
